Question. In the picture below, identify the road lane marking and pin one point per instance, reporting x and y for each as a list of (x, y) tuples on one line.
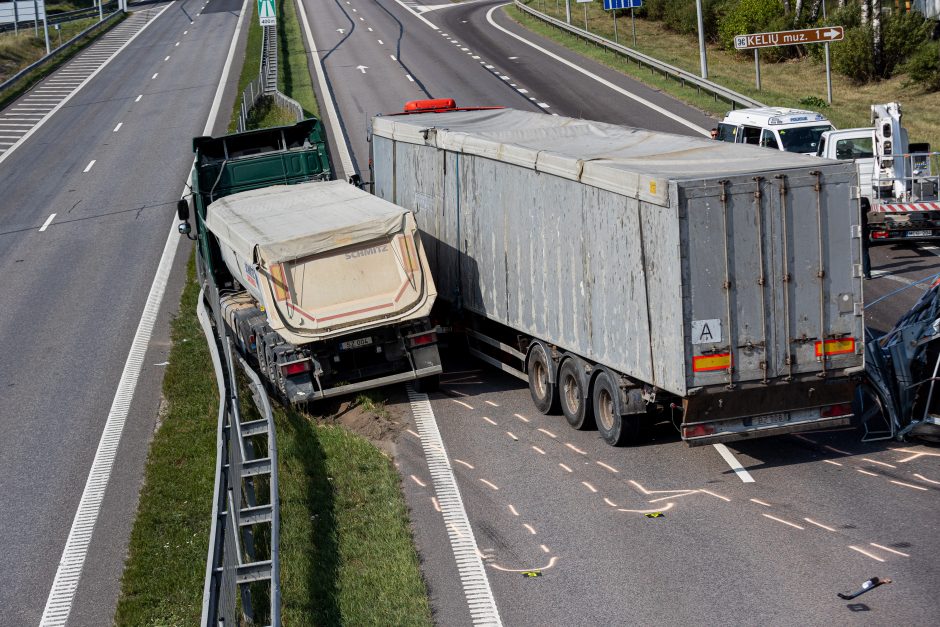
[(714, 494), (59, 602), (491, 403), (595, 77), (137, 99), (490, 484), (575, 448), (88, 167), (392, 57), (155, 74), (381, 43), (608, 467), (609, 502), (785, 522), (167, 58), (866, 553), (913, 455), (829, 461), (836, 450), (565, 467), (923, 478), (463, 463), (490, 420), (818, 524), (759, 502), (513, 510), (408, 76), (551, 563), (530, 528), (909, 485), (413, 433), (510, 434), (473, 577), (865, 472), (589, 486), (648, 511), (521, 417), (118, 127), (884, 548), (538, 450), (457, 392), (736, 466), (673, 496), (45, 225), (547, 432), (544, 548), (462, 403), (875, 461), (419, 482)]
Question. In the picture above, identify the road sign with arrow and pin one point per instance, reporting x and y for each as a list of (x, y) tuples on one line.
[(822, 35), (267, 14)]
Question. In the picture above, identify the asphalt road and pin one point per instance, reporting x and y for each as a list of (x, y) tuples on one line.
[(825, 511), (72, 295)]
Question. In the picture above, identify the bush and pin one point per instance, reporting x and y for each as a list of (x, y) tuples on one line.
[(680, 15), (748, 16), (902, 34), (853, 57), (923, 68)]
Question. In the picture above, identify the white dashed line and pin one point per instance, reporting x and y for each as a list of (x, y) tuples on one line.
[(408, 76), (589, 486), (548, 433), (575, 448), (884, 548), (137, 99), (88, 167), (909, 485), (530, 528), (392, 57), (490, 484), (866, 553), (865, 472), (419, 482), (118, 127), (490, 420), (609, 502), (759, 502), (544, 548), (491, 403), (538, 450), (462, 403), (512, 435), (829, 461), (923, 478), (45, 225), (608, 467), (732, 461), (568, 469), (167, 58), (155, 74), (381, 43), (521, 417), (463, 463), (785, 522), (818, 524), (513, 510)]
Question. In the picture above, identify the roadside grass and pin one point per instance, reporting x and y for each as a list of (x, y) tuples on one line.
[(251, 63), (372, 402), (783, 84), (19, 51), (294, 76), (267, 113), (165, 568)]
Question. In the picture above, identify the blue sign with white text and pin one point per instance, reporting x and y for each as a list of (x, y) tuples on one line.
[(610, 5)]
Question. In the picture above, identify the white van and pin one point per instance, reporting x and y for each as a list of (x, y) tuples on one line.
[(792, 130)]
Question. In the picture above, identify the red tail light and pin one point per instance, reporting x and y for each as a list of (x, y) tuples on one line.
[(295, 367), (694, 431), (422, 339), (879, 235), (842, 409)]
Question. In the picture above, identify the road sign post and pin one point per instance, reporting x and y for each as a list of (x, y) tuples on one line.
[(823, 35), (585, 3), (828, 67), (614, 5), (267, 13)]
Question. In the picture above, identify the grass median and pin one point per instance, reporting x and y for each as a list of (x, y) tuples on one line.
[(347, 554), (783, 84)]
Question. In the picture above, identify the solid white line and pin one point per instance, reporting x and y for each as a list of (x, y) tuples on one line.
[(417, 15), (59, 601), (602, 81), (83, 83), (45, 225), (736, 466), (476, 585), (332, 117), (90, 165)]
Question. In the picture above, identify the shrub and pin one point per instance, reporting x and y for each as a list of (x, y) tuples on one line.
[(902, 34), (853, 57), (923, 68), (748, 16)]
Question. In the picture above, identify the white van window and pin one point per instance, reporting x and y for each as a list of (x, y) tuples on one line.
[(750, 135), (726, 132), (768, 140)]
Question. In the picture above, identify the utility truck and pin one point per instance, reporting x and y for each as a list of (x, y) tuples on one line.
[(623, 272), (897, 180), (324, 285)]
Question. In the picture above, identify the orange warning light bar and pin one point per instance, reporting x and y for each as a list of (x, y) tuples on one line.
[(707, 363), (836, 347)]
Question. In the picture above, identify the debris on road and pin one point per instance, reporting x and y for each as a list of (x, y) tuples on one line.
[(655, 515), (532, 573), (871, 584)]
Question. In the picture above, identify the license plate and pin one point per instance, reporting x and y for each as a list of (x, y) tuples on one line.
[(918, 234), (770, 419), (351, 344)]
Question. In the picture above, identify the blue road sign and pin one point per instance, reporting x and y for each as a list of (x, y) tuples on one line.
[(610, 5)]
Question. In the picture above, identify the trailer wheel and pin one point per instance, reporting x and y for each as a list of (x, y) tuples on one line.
[(541, 386), (572, 394), (616, 429)]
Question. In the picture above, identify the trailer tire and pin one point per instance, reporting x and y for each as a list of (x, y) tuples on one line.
[(616, 428), (542, 386), (573, 395)]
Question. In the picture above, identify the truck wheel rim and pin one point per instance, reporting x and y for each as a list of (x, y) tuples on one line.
[(606, 410), (572, 397), (540, 380)]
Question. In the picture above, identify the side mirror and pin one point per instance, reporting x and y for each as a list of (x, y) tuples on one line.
[(184, 228), (182, 209)]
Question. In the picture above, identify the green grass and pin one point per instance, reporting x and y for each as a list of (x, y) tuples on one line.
[(165, 569), (783, 84), (267, 113), (294, 75), (251, 63), (347, 556)]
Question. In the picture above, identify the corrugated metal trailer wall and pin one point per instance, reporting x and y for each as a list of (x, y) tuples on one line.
[(624, 282)]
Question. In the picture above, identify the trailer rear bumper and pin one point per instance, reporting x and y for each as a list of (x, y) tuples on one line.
[(403, 377), (729, 432)]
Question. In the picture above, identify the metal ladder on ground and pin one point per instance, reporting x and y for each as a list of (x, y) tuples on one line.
[(269, 60)]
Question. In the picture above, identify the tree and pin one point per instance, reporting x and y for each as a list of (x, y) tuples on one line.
[(814, 11), (797, 11)]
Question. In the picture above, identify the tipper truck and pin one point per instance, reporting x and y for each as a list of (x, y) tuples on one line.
[(621, 271), (324, 285)]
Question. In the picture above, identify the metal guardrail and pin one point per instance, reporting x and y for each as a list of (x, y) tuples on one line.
[(245, 531), (105, 23), (266, 83), (65, 16), (732, 97)]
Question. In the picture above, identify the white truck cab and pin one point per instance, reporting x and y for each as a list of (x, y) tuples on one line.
[(780, 128)]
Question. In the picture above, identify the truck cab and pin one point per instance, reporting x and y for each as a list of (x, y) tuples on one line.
[(779, 128), (851, 144)]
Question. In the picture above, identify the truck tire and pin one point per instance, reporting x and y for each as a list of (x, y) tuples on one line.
[(542, 386), (573, 396), (616, 429)]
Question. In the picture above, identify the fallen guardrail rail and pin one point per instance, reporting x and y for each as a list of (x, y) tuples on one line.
[(685, 78), (242, 582)]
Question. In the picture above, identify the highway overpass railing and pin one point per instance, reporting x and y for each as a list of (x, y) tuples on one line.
[(733, 98), (242, 582)]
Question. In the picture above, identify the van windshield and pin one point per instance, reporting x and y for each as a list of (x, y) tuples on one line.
[(804, 139)]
